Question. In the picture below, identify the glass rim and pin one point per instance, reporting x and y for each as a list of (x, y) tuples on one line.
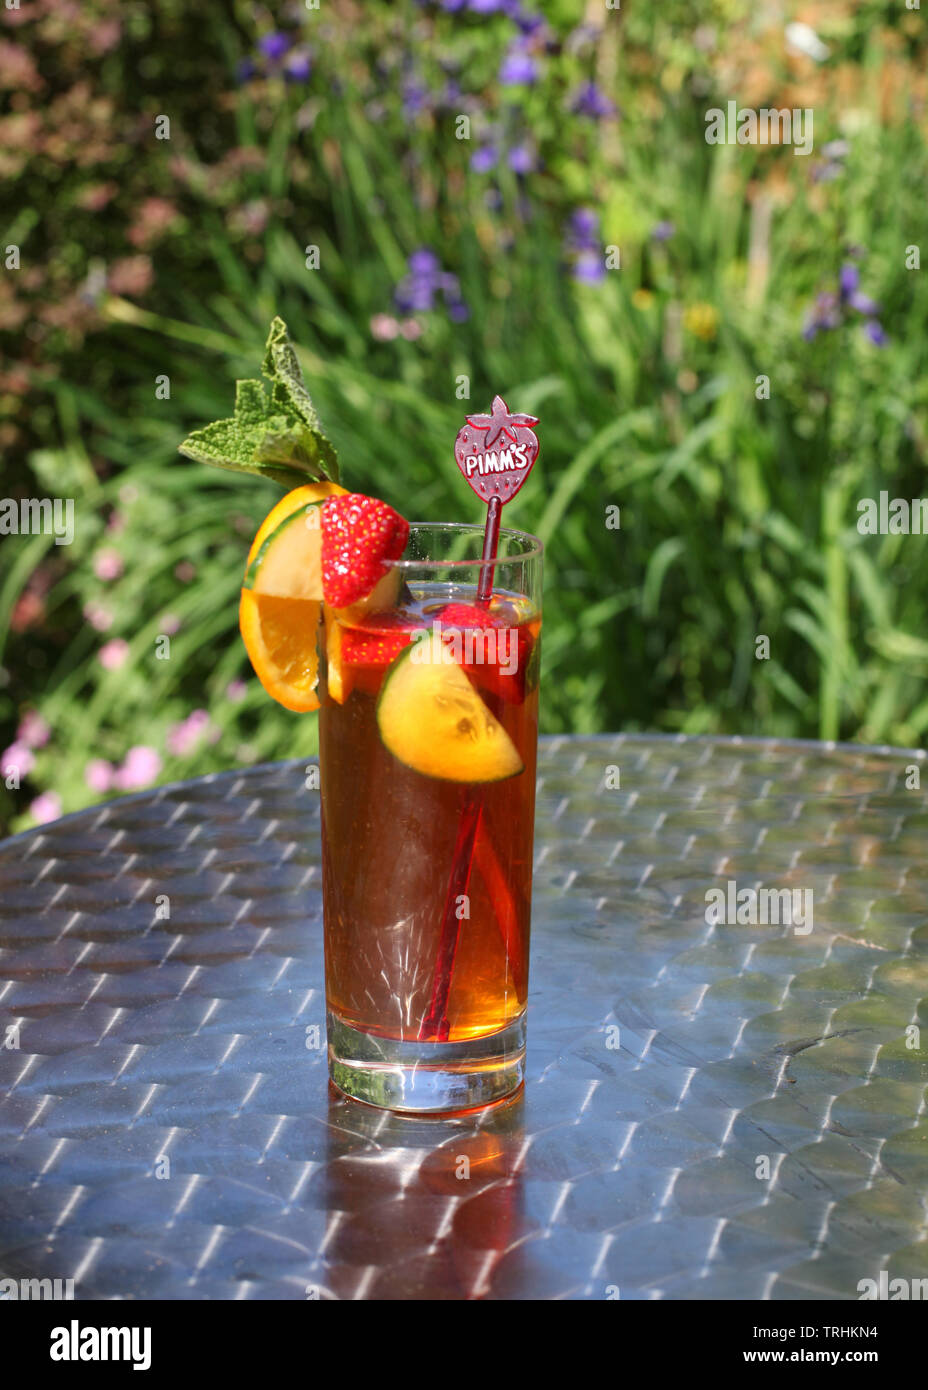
[(534, 551)]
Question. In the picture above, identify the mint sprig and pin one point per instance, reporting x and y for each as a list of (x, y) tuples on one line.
[(274, 434)]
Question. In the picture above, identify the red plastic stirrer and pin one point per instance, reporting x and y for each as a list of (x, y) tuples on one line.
[(495, 452)]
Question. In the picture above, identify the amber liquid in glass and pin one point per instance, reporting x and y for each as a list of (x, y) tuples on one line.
[(389, 840)]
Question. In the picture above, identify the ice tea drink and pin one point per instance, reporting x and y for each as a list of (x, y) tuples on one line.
[(428, 732)]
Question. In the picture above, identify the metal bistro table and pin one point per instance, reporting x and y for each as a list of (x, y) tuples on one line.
[(672, 1063)]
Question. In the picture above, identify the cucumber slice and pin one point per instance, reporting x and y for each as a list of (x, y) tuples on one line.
[(289, 563), (432, 719)]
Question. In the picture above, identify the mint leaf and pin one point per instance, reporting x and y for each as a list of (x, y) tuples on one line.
[(274, 435)]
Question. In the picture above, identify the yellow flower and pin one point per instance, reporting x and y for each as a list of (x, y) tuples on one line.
[(701, 320), (642, 299)]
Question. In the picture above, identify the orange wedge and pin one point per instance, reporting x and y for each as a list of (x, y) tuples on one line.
[(299, 497), (280, 631)]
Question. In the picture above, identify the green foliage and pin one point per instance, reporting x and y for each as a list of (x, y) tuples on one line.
[(145, 258)]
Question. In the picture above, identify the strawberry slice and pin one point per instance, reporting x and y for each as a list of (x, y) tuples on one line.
[(493, 674), (358, 535), (360, 648)]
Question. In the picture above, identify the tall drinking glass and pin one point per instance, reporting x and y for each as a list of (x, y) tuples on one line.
[(428, 796)]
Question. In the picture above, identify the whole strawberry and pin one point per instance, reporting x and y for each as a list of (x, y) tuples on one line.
[(358, 534)]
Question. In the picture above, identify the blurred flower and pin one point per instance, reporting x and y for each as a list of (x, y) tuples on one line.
[(415, 98), (18, 758), (274, 46), (298, 66), (108, 564), (802, 39), (416, 293), (182, 738), (33, 730), (169, 624), (28, 611), (251, 218), (116, 523), (185, 570), (662, 231), (384, 328), (642, 299), (584, 228), (236, 690), (45, 808), (113, 654), (411, 329), (98, 616), (588, 267), (139, 769), (521, 159), (518, 69), (95, 197), (588, 100), (701, 320), (875, 331), (132, 275), (831, 163), (484, 159), (98, 774), (848, 279), (154, 218), (245, 70)]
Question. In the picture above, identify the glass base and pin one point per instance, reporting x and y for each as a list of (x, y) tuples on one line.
[(424, 1076)]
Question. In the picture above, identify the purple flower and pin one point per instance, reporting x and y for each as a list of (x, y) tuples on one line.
[(848, 280), (424, 262), (415, 98), (236, 690), (588, 268), (518, 69), (458, 312), (584, 226), (298, 67), (864, 304), (588, 100), (521, 159), (274, 46), (662, 231), (484, 159), (486, 6), (875, 331), (452, 6), (245, 70)]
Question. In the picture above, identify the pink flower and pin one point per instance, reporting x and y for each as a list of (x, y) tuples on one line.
[(384, 328), (182, 738), (139, 769), (98, 617), (17, 758), (33, 730), (116, 523), (45, 808), (113, 654), (108, 565), (411, 329), (98, 774), (185, 571), (169, 623), (236, 690)]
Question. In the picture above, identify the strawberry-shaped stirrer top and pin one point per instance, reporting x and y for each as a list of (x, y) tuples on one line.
[(495, 453)]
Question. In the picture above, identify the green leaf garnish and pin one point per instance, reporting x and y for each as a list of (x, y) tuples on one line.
[(274, 434)]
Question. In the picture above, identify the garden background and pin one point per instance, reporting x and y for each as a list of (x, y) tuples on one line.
[(337, 127)]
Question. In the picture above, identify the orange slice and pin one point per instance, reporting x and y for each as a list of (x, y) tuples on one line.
[(280, 638), (280, 628), (299, 497)]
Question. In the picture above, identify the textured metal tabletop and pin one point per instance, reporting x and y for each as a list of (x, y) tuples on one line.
[(713, 1109)]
